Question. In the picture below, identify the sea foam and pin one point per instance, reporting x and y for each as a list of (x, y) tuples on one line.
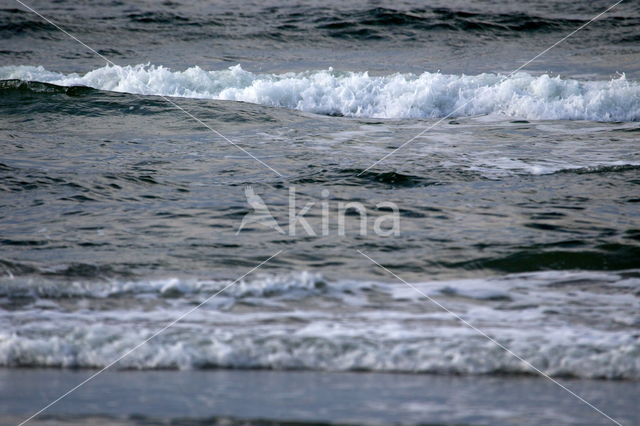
[(581, 324), (358, 94), (324, 344)]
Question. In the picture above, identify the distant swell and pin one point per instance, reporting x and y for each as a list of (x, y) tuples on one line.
[(366, 22), (355, 94)]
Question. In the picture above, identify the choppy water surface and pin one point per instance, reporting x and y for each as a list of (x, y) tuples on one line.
[(519, 211)]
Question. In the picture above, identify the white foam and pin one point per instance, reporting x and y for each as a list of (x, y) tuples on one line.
[(566, 323), (502, 166), (330, 345), (286, 286), (357, 94)]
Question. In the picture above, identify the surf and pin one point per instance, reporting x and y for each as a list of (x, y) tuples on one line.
[(428, 95)]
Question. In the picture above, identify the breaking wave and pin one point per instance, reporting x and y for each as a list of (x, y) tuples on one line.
[(567, 323), (358, 94), (331, 347)]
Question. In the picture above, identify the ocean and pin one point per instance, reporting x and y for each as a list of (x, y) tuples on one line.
[(316, 212)]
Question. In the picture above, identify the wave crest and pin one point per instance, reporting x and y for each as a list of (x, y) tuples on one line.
[(357, 94)]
